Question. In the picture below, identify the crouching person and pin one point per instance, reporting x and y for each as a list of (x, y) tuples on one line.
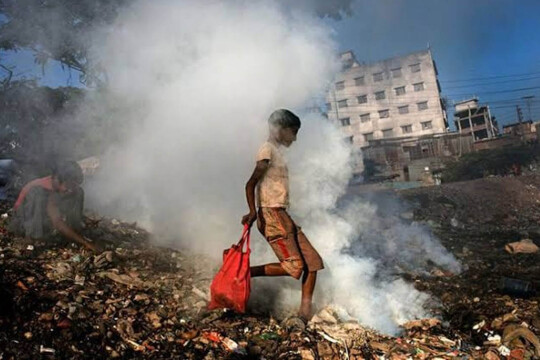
[(52, 203)]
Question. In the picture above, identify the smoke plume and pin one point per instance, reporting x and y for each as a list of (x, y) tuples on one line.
[(193, 83)]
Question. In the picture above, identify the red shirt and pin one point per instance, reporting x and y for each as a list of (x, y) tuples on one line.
[(45, 183)]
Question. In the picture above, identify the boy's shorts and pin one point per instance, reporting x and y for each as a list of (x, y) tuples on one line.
[(291, 246)]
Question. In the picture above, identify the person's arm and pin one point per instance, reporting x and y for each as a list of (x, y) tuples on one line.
[(63, 228), (258, 173)]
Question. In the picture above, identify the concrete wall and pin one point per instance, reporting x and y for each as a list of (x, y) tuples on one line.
[(496, 143), (393, 156), (348, 89)]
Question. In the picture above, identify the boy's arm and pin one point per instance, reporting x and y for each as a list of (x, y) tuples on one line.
[(63, 228), (258, 173)]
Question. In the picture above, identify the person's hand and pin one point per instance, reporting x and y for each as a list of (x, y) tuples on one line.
[(249, 218)]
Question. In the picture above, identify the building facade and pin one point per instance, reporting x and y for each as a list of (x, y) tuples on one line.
[(397, 97), (519, 128), (475, 119)]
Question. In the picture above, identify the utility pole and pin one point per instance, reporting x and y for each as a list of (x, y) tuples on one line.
[(519, 114), (528, 100)]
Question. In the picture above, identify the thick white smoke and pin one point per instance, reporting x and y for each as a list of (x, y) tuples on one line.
[(201, 78)]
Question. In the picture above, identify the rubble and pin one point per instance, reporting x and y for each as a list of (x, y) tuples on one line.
[(525, 246), (136, 300)]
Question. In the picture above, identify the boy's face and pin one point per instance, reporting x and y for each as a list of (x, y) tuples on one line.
[(287, 136)]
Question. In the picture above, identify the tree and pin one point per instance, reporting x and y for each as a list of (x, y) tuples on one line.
[(57, 30), (27, 111)]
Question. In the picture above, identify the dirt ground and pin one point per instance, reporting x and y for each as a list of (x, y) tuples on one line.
[(140, 301), (475, 220)]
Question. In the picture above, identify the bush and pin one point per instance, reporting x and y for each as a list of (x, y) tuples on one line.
[(483, 163)]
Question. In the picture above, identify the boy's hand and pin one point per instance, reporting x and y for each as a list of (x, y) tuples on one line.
[(249, 218)]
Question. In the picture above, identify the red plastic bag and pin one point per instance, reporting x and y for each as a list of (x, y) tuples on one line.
[(231, 286)]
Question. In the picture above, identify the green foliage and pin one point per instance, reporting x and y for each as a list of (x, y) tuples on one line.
[(479, 164)]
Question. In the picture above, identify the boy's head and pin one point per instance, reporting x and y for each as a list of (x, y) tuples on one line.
[(284, 126), (67, 176)]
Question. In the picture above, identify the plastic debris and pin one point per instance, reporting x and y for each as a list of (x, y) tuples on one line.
[(525, 246), (46, 350)]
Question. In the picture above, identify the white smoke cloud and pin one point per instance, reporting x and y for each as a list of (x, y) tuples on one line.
[(200, 79), (352, 239), (335, 9)]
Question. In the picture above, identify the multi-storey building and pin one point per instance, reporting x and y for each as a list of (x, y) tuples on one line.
[(397, 97), (472, 118)]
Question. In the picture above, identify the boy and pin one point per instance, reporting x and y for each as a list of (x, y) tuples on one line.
[(54, 201), (271, 179)]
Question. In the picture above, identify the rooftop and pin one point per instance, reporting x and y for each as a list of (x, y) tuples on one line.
[(349, 56)]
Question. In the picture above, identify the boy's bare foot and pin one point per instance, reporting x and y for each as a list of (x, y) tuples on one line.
[(305, 311)]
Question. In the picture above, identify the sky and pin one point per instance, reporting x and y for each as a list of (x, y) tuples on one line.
[(484, 48)]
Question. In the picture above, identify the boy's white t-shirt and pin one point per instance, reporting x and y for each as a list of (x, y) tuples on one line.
[(273, 188)]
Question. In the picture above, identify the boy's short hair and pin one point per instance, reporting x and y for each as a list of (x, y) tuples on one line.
[(69, 171), (284, 118)]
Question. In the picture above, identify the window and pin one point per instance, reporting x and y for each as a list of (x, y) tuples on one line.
[(422, 105), (400, 90), (384, 114), (379, 95), (388, 133), (348, 139), (342, 103), (403, 109), (340, 85), (415, 67), (368, 136), (427, 125), (345, 121), (359, 81), (396, 72), (378, 77), (406, 129), (362, 99), (364, 117), (418, 86), (328, 106)]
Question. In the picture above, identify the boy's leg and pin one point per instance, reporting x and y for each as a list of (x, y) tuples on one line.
[(308, 285), (313, 263), (279, 230), (273, 269)]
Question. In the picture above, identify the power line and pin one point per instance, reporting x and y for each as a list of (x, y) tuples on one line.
[(343, 95), (492, 83), (398, 102), (500, 91), (490, 77)]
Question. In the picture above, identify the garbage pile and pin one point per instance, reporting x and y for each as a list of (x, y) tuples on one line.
[(136, 300), (68, 303)]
